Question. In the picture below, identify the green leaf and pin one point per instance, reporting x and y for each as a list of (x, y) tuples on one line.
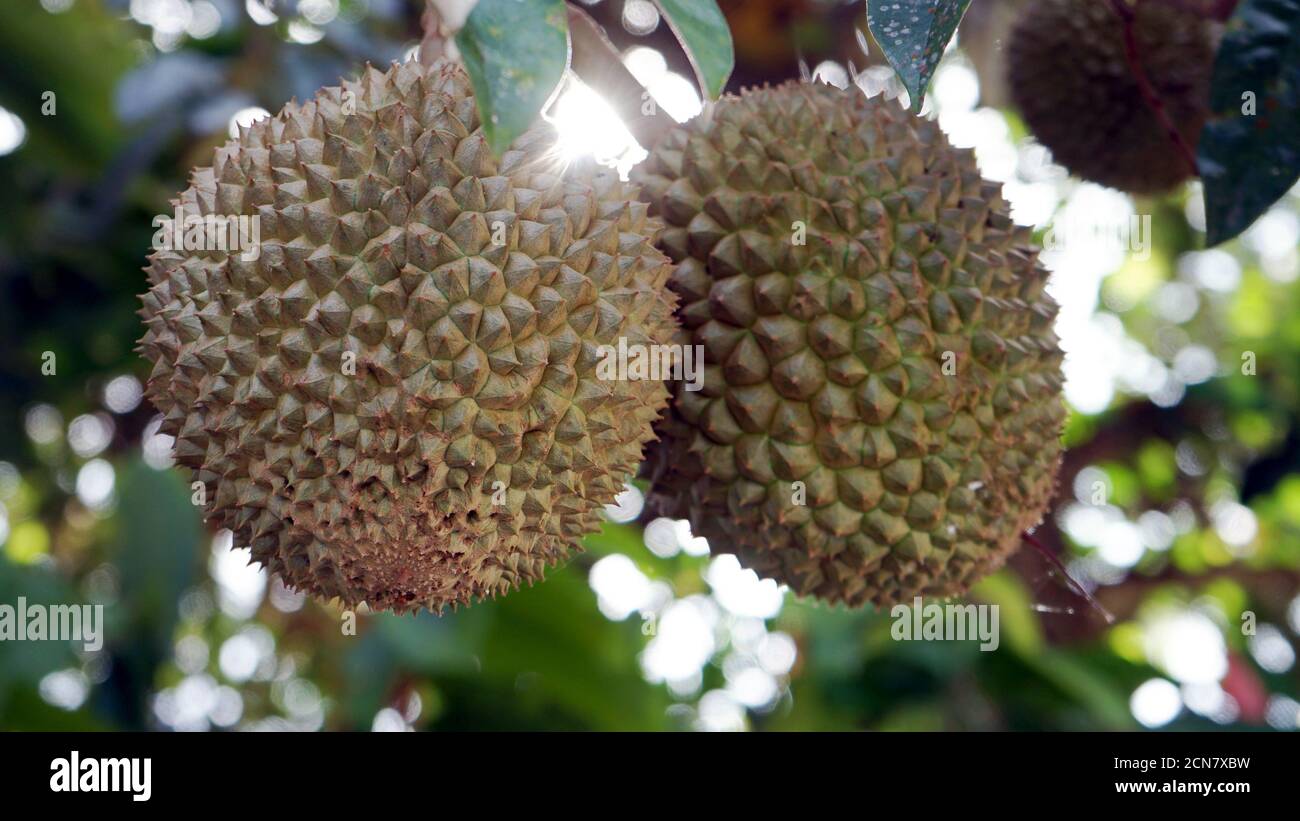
[(1248, 161), (24, 663), (436, 645), (515, 52), (1085, 684), (913, 35), (616, 538), (579, 662), (1017, 620), (704, 35), (158, 547), (95, 50)]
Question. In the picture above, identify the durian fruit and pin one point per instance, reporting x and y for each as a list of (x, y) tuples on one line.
[(880, 409), (1071, 80), (397, 402)]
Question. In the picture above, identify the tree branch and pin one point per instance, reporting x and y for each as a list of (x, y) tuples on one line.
[(1271, 587)]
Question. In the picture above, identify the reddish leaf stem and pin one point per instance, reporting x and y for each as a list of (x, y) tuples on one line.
[(1051, 557), (1126, 14)]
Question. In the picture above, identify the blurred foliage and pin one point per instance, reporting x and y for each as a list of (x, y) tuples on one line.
[(1203, 470)]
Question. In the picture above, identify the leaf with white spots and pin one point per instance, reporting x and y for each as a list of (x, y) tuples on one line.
[(515, 52), (1249, 152), (913, 34)]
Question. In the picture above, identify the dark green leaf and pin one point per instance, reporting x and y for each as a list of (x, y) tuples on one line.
[(913, 35), (433, 644), (159, 543), (1247, 160), (1084, 684), (24, 663), (94, 52), (575, 659), (516, 52), (703, 32)]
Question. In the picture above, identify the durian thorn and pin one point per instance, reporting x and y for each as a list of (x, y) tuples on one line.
[(1070, 581), (1128, 16)]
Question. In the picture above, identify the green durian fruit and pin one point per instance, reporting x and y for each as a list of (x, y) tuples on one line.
[(880, 412), (396, 402), (1071, 80)]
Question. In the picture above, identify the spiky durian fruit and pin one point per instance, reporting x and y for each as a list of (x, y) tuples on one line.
[(1070, 78), (397, 401), (880, 409)]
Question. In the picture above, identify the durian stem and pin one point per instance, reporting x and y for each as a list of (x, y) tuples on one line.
[(1132, 54), (434, 42), (1070, 581)]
